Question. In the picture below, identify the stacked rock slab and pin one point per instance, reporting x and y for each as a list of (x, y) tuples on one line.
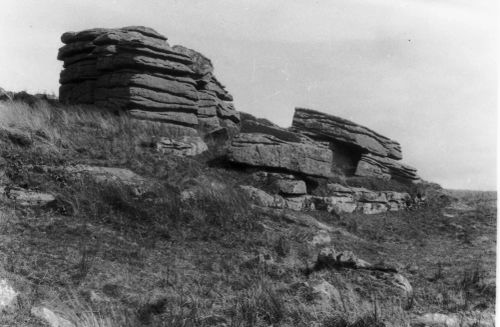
[(375, 154), (274, 148), (135, 69)]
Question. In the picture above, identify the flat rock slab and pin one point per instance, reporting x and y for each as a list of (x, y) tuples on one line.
[(264, 150)]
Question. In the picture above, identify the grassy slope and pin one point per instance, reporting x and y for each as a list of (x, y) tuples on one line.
[(165, 263)]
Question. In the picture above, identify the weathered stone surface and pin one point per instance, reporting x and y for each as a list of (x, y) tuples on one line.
[(141, 62), (200, 65), (322, 126), (364, 195), (325, 295), (321, 238), (186, 146), (337, 204), (263, 198), (299, 203), (263, 150), (50, 318), (385, 168), (366, 201), (453, 320), (179, 118), (149, 100), (26, 198), (171, 85), (91, 34), (291, 186)]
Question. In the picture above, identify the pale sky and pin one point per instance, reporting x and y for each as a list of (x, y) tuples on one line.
[(422, 72)]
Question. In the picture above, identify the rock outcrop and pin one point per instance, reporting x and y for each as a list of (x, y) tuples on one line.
[(341, 199), (357, 149), (135, 69)]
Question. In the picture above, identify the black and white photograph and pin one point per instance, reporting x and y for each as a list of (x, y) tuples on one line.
[(252, 163)]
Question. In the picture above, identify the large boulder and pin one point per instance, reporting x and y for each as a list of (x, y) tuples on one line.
[(136, 70), (322, 126)]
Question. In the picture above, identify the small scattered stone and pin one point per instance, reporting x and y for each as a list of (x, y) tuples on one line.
[(7, 296), (51, 318), (329, 258)]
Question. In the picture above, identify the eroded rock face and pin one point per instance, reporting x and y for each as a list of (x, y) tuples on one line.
[(319, 125), (135, 69), (264, 150)]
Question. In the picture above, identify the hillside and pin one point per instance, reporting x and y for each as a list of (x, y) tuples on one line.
[(116, 248), (140, 196)]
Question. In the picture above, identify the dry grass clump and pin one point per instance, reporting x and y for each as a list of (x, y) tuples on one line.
[(84, 132)]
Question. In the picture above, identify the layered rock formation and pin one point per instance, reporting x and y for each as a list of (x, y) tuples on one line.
[(135, 69), (357, 149)]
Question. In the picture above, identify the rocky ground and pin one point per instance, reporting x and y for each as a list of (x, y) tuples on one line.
[(98, 228)]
